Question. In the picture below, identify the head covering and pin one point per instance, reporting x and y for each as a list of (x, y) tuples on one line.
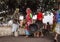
[(28, 10), (17, 10)]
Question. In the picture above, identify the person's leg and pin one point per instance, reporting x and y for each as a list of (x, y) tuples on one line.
[(45, 31), (42, 34), (12, 34), (35, 34), (27, 33), (55, 38), (16, 33), (38, 34), (13, 31)]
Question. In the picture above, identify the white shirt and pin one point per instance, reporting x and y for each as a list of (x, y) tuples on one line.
[(51, 18), (45, 19), (48, 18)]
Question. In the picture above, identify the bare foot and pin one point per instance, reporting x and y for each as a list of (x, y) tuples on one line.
[(37, 35), (42, 36)]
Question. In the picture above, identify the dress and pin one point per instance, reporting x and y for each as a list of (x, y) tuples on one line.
[(57, 28)]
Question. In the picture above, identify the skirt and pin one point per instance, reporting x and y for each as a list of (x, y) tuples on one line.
[(57, 28)]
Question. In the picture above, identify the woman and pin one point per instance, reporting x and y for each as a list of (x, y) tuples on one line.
[(39, 23), (15, 27), (28, 21)]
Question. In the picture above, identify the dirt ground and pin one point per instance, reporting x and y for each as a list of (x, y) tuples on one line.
[(24, 39)]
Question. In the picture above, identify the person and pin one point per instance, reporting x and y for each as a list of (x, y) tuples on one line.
[(48, 17), (39, 23), (15, 27), (57, 28), (28, 21)]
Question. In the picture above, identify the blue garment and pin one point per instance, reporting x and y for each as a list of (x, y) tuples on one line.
[(27, 32), (58, 16)]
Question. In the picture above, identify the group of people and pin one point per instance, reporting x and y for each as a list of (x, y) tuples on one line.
[(35, 24), (40, 20)]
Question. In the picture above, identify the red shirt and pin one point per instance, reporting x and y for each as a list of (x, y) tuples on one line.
[(39, 16), (28, 18)]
